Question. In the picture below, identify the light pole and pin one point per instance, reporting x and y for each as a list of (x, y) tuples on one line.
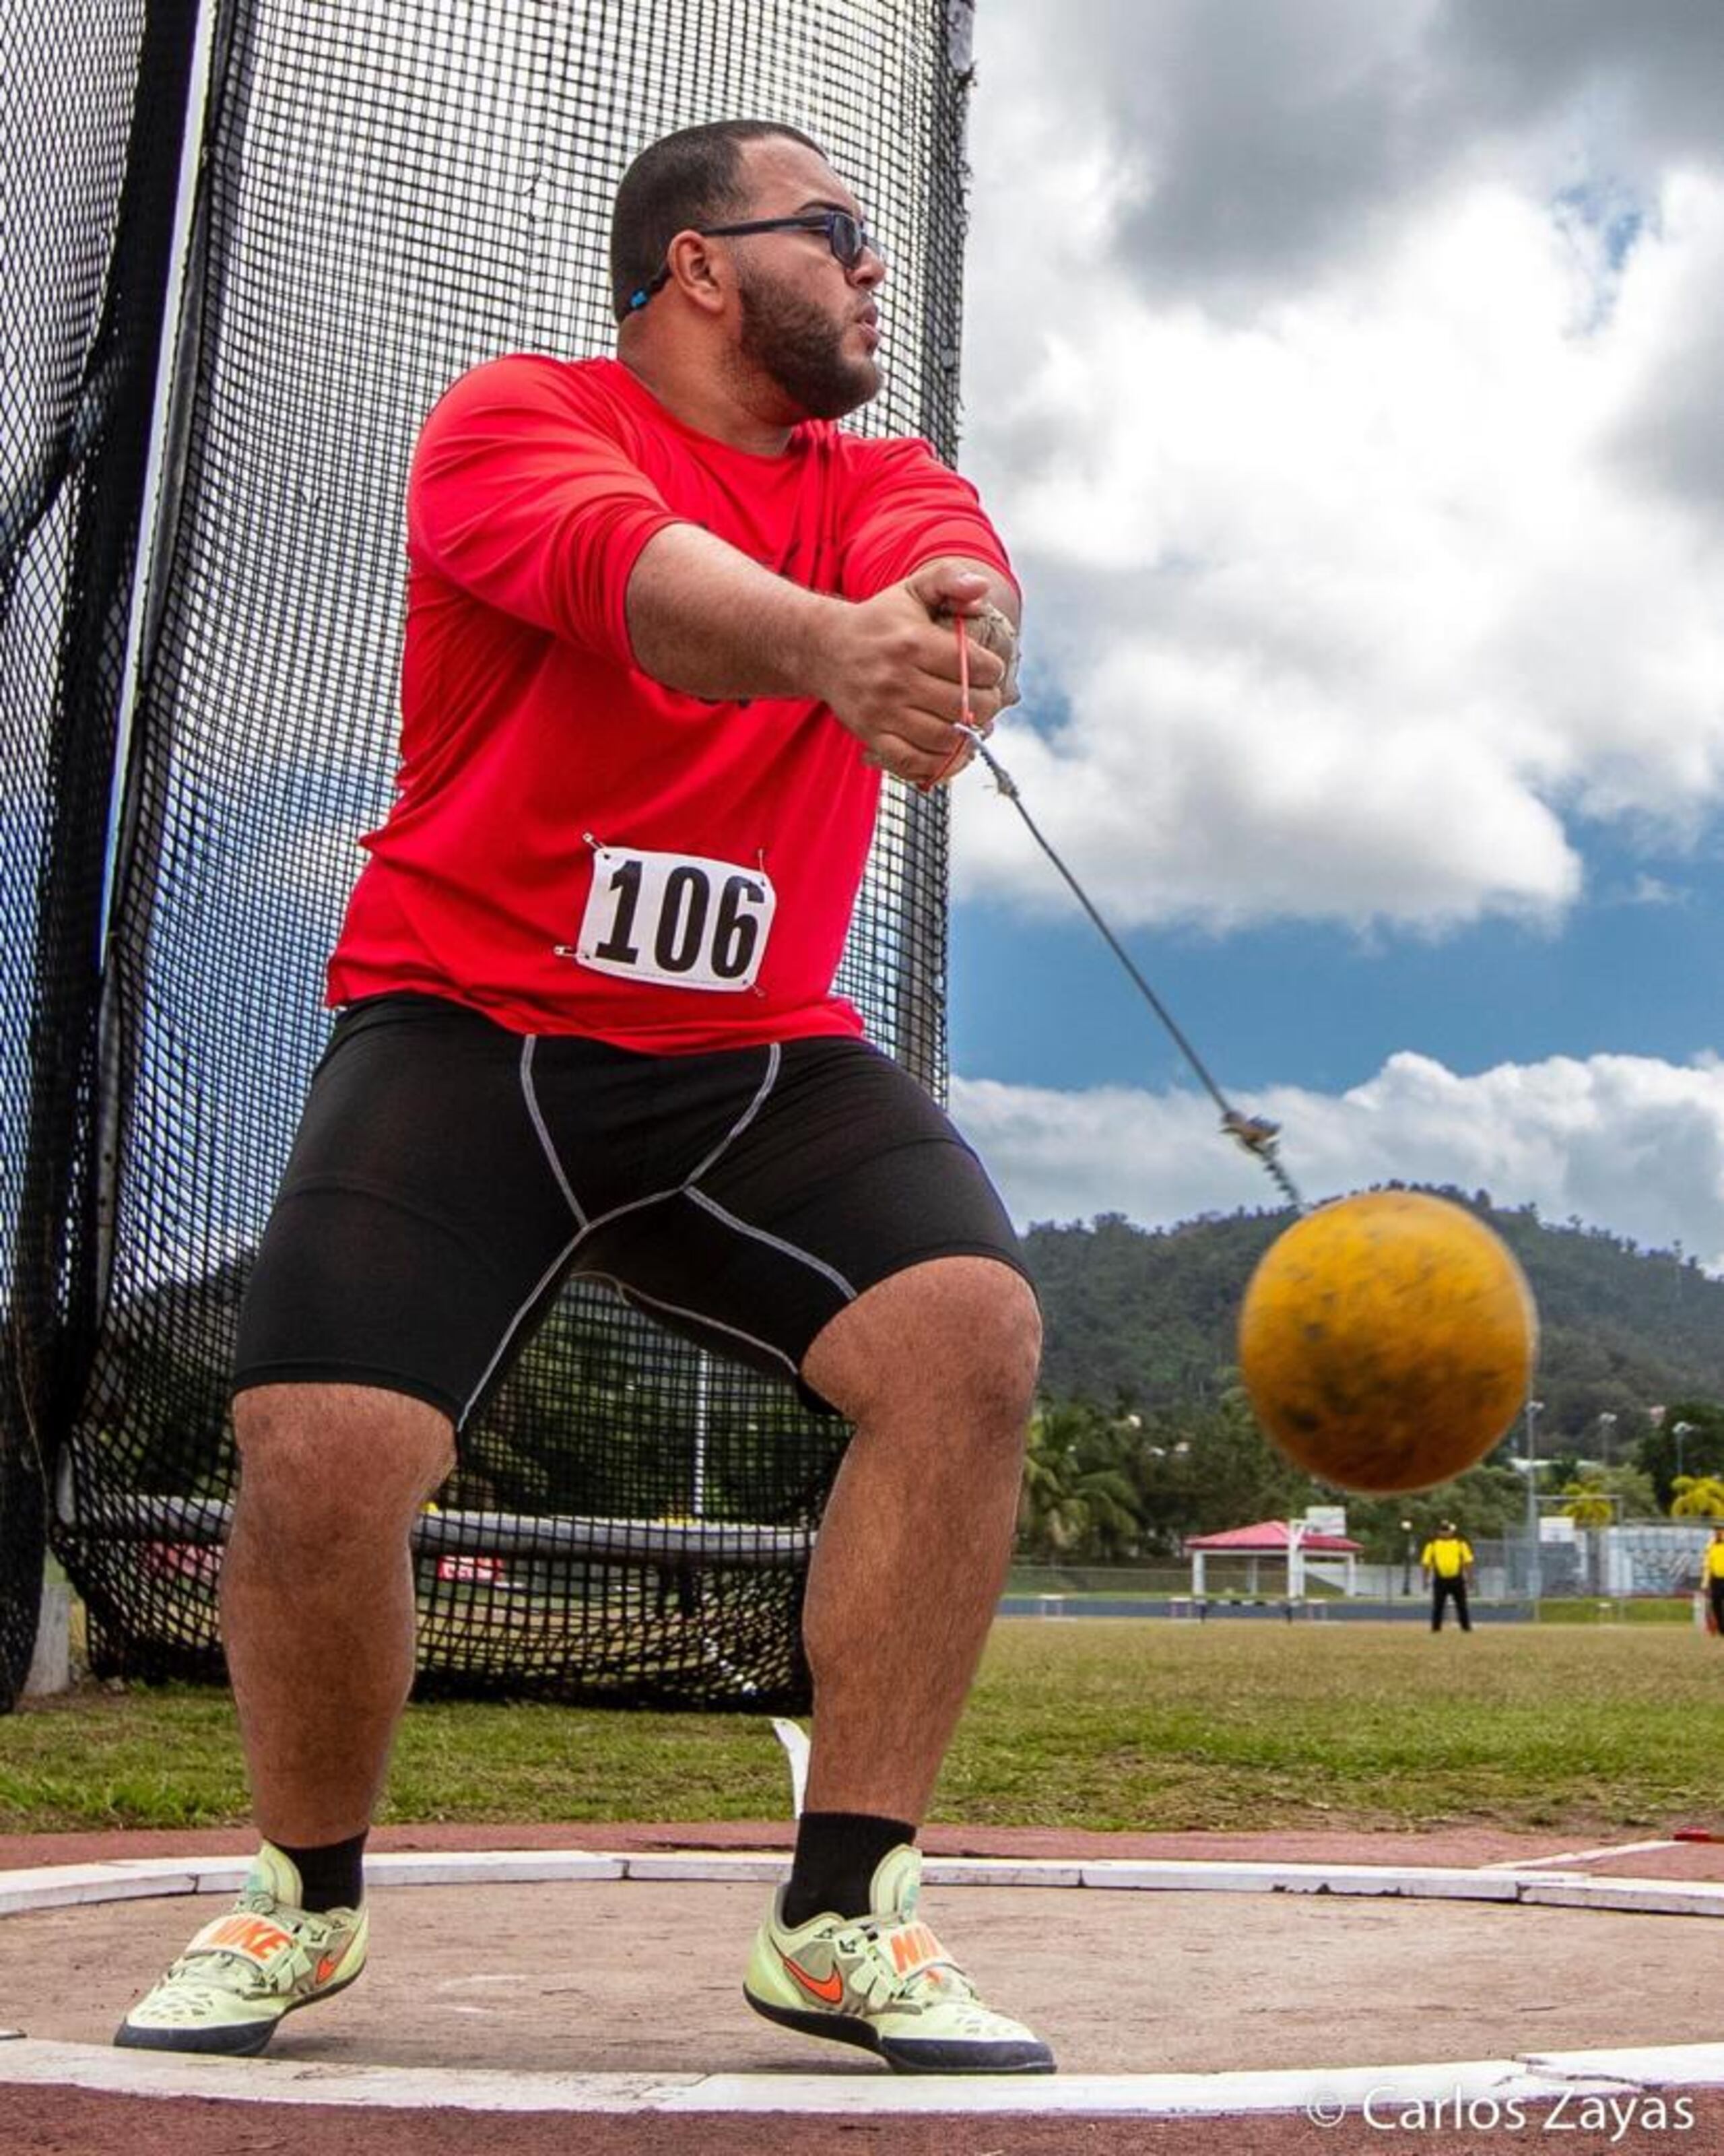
[(1535, 1570), (1607, 1434), (1407, 1558), (1679, 1430)]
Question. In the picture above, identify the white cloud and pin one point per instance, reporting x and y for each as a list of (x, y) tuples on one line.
[(1672, 432), (1371, 539), (1621, 1141)]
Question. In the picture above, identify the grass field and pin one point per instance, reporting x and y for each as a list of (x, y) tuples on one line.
[(1112, 1725)]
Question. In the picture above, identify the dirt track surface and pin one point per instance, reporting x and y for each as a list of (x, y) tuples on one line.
[(642, 1976), (68, 2122)]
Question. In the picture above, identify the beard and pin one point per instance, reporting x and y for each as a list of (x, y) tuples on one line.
[(800, 349)]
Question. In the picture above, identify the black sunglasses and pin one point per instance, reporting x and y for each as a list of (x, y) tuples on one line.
[(847, 236)]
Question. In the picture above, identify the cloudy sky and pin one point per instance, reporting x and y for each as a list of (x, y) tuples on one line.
[(1347, 378)]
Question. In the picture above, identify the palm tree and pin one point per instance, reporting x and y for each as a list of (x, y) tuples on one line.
[(1589, 1502), (1050, 1520), (1078, 1500), (1590, 1506), (1698, 1497)]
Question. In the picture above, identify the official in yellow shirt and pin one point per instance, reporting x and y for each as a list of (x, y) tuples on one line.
[(1712, 1573), (1448, 1562)]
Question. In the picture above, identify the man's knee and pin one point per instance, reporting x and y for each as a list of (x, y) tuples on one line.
[(333, 1455), (962, 1333)]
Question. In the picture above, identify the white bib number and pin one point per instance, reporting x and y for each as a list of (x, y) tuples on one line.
[(676, 919)]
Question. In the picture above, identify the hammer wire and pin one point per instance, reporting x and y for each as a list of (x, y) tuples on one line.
[(1257, 1134)]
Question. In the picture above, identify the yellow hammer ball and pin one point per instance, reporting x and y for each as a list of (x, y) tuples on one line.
[(1387, 1341)]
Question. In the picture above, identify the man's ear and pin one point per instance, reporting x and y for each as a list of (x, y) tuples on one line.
[(697, 271)]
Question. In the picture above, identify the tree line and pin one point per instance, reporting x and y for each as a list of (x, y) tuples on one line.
[(1144, 1435)]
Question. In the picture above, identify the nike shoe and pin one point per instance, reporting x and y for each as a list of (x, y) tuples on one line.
[(241, 1974), (885, 1982)]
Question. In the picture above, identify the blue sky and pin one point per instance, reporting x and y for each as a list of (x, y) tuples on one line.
[(1355, 418), (1044, 1002)]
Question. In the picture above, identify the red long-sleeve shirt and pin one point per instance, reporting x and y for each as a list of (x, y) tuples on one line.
[(573, 847)]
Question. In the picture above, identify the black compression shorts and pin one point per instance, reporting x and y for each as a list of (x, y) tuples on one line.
[(449, 1174)]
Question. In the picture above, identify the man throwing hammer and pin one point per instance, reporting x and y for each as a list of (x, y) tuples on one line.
[(667, 626)]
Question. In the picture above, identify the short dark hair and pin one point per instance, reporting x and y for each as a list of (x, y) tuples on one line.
[(682, 180)]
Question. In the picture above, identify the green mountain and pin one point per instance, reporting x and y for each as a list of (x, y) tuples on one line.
[(1143, 1318)]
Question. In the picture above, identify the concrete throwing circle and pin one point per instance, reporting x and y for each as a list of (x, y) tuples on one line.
[(1230, 1978)]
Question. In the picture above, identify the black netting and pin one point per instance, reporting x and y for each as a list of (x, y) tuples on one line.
[(390, 192), (86, 215)]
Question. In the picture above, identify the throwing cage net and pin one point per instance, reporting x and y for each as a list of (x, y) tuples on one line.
[(258, 238)]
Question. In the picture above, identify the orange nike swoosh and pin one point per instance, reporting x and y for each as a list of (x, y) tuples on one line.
[(327, 1967), (831, 1987)]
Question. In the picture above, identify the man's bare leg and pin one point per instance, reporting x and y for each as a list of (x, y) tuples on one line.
[(937, 1368), (317, 1595), (317, 1616)]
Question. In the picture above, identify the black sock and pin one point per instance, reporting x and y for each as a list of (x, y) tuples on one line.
[(331, 1877), (836, 1854)]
